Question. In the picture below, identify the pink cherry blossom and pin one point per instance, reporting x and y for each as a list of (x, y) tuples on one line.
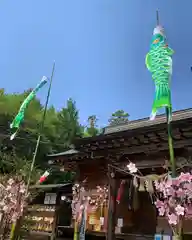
[(159, 186), (170, 191), (189, 210), (132, 168), (159, 204), (12, 199), (175, 197), (175, 182), (185, 177), (187, 185), (161, 211), (156, 183), (172, 202), (10, 181), (5, 208), (180, 192), (169, 183), (180, 210), (172, 219)]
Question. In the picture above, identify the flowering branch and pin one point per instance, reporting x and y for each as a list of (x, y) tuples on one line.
[(86, 198), (174, 199), (12, 199)]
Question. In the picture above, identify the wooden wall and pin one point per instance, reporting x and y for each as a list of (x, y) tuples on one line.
[(142, 220), (133, 217), (94, 172)]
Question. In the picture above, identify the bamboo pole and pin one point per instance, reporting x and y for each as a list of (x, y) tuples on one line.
[(15, 226), (169, 128), (41, 129), (170, 138), (170, 142)]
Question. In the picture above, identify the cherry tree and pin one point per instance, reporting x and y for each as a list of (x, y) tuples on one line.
[(174, 198), (13, 199)]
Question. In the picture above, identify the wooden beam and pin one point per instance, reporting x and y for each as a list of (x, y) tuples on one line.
[(127, 134), (155, 147)]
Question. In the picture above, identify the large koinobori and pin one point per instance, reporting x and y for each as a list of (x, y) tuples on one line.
[(21, 114), (159, 63)]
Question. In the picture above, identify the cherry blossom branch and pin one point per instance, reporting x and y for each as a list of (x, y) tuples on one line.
[(158, 177)]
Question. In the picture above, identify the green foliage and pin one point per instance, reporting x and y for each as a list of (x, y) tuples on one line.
[(68, 126), (59, 132), (9, 106), (60, 177), (118, 117), (92, 129), (12, 165), (60, 128)]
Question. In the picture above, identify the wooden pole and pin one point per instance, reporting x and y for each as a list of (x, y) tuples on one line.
[(56, 216), (16, 227), (112, 205), (42, 126), (157, 17)]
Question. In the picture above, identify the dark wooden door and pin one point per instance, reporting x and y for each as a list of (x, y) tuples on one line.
[(145, 217)]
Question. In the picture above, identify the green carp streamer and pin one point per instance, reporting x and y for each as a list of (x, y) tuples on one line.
[(20, 116), (159, 63)]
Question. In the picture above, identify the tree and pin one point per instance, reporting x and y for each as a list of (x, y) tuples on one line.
[(14, 173), (92, 120), (60, 129), (92, 129), (24, 144), (68, 126), (12, 165), (57, 176), (173, 195), (13, 200), (118, 117), (175, 201)]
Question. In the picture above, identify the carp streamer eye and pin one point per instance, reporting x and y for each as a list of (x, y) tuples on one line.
[(156, 41)]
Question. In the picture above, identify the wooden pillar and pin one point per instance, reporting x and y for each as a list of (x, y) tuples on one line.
[(57, 207), (111, 222)]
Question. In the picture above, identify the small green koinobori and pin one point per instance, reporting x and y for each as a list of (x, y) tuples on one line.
[(159, 63), (20, 116)]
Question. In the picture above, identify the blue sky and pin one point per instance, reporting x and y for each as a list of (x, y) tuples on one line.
[(99, 47)]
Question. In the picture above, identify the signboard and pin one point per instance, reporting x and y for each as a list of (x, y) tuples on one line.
[(101, 221), (120, 222), (50, 198)]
